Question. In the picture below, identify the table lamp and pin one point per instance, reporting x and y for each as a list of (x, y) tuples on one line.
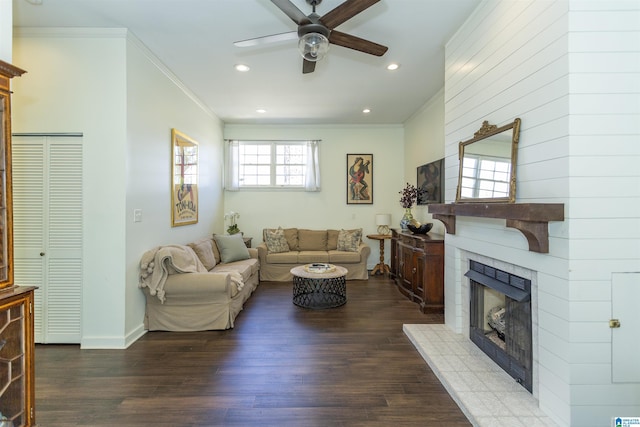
[(383, 221)]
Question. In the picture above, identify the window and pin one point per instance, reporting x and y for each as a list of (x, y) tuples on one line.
[(484, 177), (272, 164)]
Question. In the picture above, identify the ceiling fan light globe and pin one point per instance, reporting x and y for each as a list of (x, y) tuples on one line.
[(313, 46)]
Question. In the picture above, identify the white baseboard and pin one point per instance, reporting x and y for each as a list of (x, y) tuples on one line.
[(101, 343)]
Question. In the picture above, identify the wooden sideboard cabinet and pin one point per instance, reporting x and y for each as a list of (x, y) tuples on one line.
[(417, 266), (17, 391)]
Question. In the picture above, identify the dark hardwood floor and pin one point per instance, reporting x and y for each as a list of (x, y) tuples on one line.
[(280, 366)]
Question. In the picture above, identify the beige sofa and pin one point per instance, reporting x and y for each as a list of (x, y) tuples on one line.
[(199, 286), (305, 246)]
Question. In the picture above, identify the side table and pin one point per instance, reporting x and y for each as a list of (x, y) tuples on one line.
[(381, 268)]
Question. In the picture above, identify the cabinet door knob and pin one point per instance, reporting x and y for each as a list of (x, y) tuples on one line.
[(41, 253), (414, 270)]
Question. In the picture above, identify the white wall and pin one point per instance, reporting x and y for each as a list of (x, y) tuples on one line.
[(156, 103), (424, 143), (510, 60), (78, 84), (103, 84), (563, 68), (6, 30), (327, 208), (604, 223)]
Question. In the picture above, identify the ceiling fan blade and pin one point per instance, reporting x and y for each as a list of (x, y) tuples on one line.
[(291, 35), (356, 43), (345, 11), (291, 11), (308, 66)]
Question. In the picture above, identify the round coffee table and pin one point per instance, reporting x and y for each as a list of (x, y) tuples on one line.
[(319, 290)]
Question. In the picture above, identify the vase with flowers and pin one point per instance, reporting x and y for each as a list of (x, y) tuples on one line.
[(409, 195)]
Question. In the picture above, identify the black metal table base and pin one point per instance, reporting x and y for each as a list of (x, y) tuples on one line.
[(319, 293)]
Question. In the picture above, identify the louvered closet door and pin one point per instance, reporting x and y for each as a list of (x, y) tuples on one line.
[(47, 205)]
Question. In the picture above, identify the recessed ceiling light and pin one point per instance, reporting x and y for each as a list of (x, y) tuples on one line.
[(393, 66), (261, 110), (242, 68), (366, 111)]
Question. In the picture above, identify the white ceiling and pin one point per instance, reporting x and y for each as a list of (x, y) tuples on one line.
[(194, 39)]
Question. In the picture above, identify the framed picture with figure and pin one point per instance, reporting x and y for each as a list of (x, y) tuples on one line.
[(184, 179), (430, 183), (359, 179)]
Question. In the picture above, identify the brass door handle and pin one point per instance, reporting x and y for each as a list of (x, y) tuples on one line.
[(614, 323), (41, 253)]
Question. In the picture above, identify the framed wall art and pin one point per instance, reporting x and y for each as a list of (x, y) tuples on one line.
[(184, 179), (359, 179), (430, 182)]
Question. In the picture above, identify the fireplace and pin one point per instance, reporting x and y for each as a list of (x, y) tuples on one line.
[(500, 319)]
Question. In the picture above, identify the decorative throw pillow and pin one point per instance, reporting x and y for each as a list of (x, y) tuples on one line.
[(291, 234), (216, 251), (276, 241), (231, 247), (204, 249), (332, 239), (312, 240), (349, 240)]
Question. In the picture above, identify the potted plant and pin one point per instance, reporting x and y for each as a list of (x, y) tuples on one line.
[(232, 217)]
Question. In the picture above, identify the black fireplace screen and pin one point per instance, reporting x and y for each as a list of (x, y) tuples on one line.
[(500, 314)]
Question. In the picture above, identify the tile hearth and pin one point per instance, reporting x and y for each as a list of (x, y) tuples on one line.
[(487, 395)]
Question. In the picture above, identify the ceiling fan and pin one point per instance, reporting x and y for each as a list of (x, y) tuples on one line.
[(315, 32)]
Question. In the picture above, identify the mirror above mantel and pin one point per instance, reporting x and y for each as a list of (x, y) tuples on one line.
[(476, 195), (487, 169)]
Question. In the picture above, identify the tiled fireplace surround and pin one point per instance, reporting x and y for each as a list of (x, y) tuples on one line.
[(485, 393)]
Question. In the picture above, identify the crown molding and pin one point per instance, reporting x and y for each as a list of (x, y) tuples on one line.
[(114, 33), (70, 32)]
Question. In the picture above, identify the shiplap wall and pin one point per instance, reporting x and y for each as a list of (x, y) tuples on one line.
[(569, 70), (604, 146)]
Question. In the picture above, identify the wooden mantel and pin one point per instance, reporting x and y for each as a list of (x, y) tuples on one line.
[(531, 219)]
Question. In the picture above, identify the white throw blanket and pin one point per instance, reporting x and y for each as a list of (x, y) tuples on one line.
[(236, 278), (157, 263), (174, 259)]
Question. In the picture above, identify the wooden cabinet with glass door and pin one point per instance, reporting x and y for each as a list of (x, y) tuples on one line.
[(7, 72), (17, 392)]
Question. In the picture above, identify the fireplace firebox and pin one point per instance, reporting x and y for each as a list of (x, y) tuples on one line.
[(500, 319)]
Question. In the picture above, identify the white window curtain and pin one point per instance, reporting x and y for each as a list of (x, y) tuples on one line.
[(312, 174), (232, 166)]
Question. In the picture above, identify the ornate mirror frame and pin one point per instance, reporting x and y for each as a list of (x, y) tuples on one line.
[(497, 148)]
